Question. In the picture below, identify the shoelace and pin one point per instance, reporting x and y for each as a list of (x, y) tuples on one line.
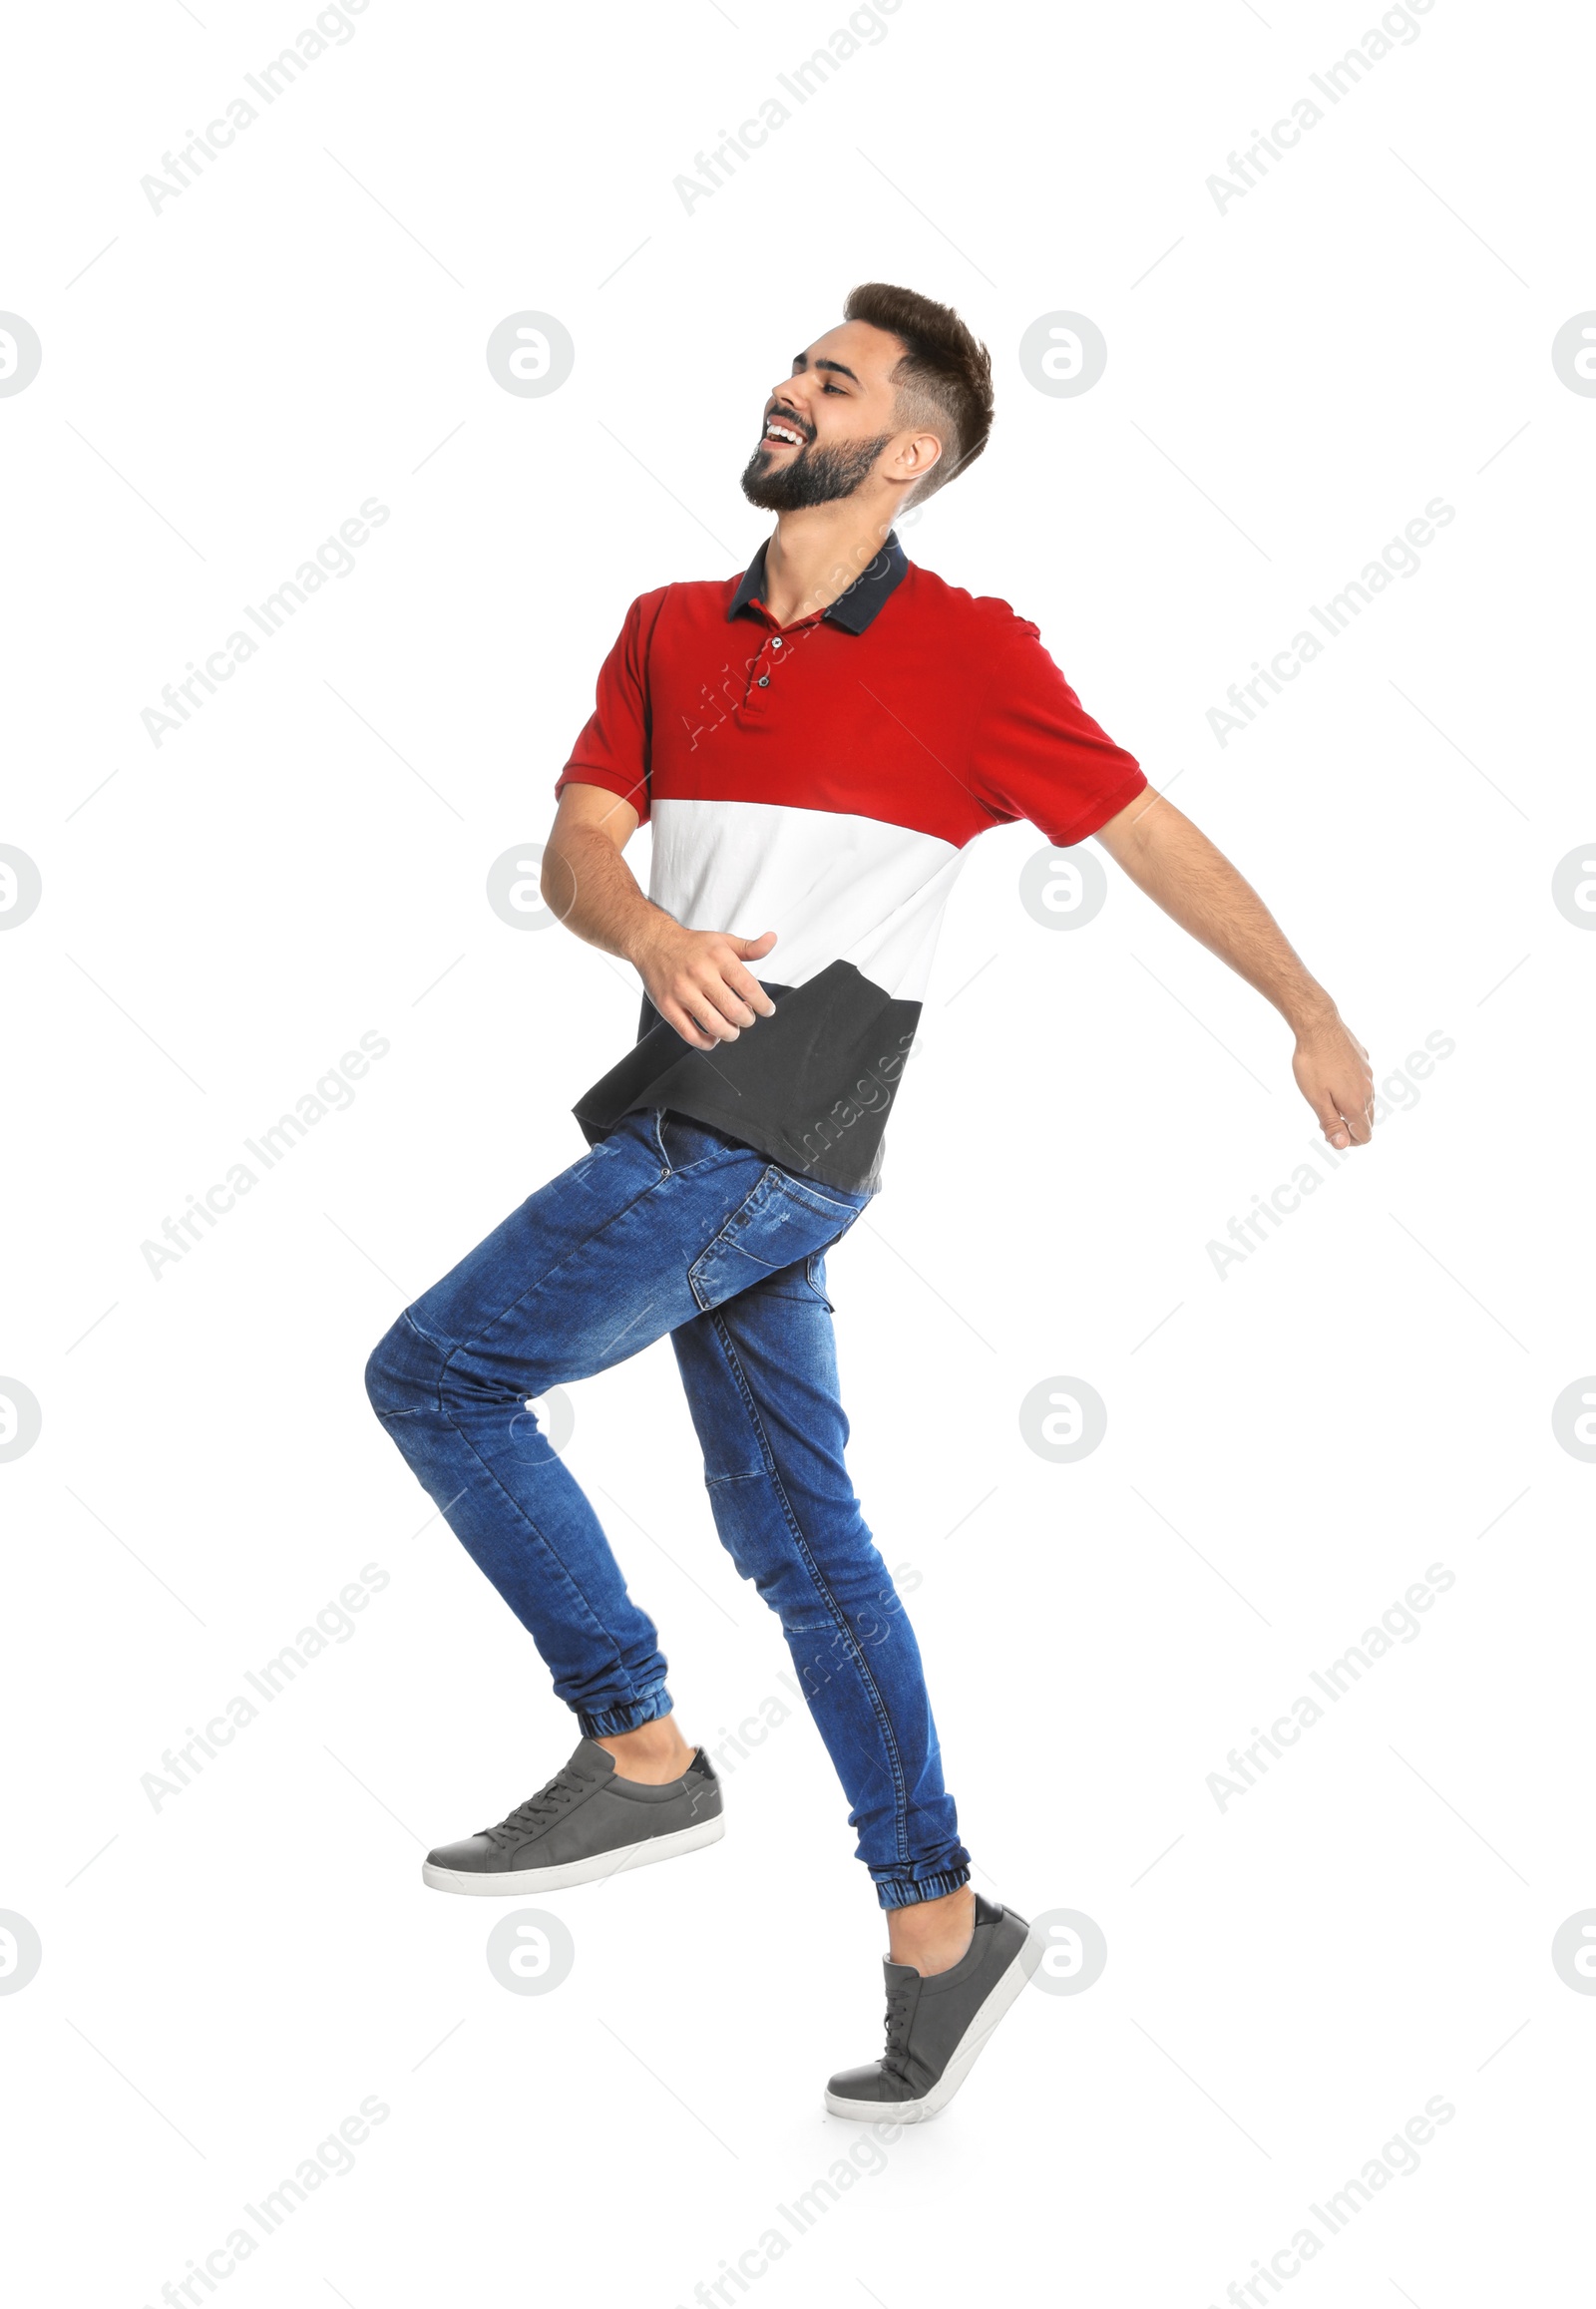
[(550, 1801), (900, 2005)]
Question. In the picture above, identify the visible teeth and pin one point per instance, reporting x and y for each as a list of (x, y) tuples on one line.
[(781, 433)]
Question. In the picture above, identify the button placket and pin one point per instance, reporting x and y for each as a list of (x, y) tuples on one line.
[(755, 699), (758, 680)]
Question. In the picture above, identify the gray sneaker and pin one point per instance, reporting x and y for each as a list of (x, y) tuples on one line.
[(938, 2023), (587, 1822)]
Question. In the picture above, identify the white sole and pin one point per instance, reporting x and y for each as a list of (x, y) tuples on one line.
[(971, 2047), (517, 1880)]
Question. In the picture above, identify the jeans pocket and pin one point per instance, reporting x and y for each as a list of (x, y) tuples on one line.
[(783, 1221), (805, 1282), (685, 1142), (815, 1277)]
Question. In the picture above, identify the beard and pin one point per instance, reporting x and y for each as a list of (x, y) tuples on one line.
[(813, 477)]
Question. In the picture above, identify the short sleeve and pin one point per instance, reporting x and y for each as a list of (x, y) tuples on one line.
[(614, 748), (1037, 753)]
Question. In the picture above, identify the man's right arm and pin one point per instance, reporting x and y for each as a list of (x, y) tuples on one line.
[(696, 979)]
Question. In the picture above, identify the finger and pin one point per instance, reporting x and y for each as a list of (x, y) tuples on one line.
[(1331, 1119), (710, 1000), (1354, 1104), (719, 1007), (687, 1027), (747, 988), (713, 984)]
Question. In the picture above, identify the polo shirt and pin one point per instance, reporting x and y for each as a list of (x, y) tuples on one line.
[(824, 780)]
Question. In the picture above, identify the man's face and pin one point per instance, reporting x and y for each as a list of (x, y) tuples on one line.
[(841, 405)]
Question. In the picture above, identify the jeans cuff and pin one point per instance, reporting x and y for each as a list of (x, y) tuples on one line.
[(901, 1892), (628, 1717)]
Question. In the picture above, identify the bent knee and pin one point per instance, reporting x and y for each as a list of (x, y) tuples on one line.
[(403, 1370)]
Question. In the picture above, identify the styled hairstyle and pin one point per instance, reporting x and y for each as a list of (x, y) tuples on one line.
[(944, 378)]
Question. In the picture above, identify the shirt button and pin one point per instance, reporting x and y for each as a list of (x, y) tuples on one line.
[(775, 641), (764, 682)]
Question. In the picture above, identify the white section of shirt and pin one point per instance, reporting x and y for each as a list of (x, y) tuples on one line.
[(833, 887)]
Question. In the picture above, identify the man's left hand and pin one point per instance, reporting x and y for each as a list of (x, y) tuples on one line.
[(1333, 1075)]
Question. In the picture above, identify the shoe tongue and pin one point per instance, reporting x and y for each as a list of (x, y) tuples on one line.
[(593, 1757), (897, 1974)]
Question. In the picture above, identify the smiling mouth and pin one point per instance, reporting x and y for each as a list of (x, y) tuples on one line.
[(778, 431)]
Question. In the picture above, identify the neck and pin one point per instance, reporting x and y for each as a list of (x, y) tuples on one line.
[(816, 553)]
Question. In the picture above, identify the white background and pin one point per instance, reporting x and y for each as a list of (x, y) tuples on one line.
[(1288, 381)]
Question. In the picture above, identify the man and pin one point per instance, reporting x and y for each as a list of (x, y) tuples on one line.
[(814, 745)]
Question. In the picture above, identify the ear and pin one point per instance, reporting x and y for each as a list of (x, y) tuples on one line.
[(917, 455)]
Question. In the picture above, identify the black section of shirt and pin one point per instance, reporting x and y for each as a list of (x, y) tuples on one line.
[(810, 1087)]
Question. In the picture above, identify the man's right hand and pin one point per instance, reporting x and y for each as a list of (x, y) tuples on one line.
[(695, 978), (697, 981)]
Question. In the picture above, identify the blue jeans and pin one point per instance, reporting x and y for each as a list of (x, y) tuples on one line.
[(668, 1226)]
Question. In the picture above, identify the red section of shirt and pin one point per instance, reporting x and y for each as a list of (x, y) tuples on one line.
[(945, 714)]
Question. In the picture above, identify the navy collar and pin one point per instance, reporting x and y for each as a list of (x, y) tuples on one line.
[(851, 610)]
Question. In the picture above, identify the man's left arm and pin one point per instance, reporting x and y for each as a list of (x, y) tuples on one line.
[(1180, 870)]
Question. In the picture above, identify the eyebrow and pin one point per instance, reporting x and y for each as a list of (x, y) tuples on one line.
[(801, 361)]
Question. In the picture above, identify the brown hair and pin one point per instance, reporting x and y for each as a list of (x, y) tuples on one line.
[(943, 379)]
